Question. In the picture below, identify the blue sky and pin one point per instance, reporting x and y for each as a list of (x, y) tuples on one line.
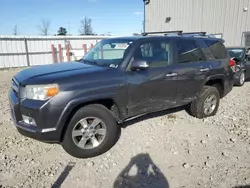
[(119, 17)]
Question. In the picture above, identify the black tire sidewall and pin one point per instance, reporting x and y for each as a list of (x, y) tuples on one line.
[(112, 135)]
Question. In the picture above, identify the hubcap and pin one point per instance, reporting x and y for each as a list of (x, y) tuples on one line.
[(242, 78), (210, 104), (89, 132)]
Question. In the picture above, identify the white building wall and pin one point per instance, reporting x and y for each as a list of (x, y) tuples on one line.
[(213, 16)]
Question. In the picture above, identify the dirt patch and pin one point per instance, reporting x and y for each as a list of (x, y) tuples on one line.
[(159, 150)]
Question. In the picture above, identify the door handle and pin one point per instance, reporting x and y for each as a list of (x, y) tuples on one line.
[(171, 74), (204, 70)]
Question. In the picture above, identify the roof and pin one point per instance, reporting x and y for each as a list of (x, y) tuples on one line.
[(137, 37), (132, 38)]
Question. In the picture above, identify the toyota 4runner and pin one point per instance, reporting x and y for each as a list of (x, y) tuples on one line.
[(82, 104)]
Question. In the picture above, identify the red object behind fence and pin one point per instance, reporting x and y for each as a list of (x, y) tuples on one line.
[(84, 46), (67, 52), (60, 53), (53, 53)]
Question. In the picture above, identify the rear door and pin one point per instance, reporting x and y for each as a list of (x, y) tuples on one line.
[(190, 68), (217, 57)]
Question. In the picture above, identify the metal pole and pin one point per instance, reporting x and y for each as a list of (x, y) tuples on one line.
[(243, 33), (60, 53), (84, 46), (67, 52), (144, 21), (26, 51), (53, 53)]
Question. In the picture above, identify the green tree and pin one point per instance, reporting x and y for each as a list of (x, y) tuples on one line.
[(62, 31)]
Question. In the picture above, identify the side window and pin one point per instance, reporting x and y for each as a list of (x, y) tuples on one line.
[(156, 53), (217, 49), (188, 51)]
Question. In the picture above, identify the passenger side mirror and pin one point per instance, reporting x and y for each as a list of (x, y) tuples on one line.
[(139, 65), (248, 57)]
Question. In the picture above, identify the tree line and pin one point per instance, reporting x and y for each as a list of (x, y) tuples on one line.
[(44, 28)]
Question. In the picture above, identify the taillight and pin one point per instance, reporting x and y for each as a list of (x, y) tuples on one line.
[(232, 64)]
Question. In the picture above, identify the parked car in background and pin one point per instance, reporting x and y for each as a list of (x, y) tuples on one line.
[(241, 55), (82, 103)]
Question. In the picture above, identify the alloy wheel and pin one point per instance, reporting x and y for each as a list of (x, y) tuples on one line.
[(210, 104), (89, 132)]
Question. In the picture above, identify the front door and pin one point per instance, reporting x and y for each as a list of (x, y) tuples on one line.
[(154, 88)]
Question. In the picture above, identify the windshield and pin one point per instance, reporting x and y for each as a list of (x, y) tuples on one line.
[(108, 52), (236, 52)]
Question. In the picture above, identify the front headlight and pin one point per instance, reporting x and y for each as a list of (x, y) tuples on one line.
[(40, 92)]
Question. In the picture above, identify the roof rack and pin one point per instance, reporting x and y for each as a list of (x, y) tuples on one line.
[(181, 33), (162, 32), (195, 33)]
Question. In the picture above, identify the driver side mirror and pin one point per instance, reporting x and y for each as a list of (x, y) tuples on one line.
[(139, 65)]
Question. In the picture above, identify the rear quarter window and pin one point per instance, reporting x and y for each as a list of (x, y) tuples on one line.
[(217, 48), (188, 51)]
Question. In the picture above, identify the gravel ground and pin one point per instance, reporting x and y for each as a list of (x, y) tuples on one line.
[(158, 150)]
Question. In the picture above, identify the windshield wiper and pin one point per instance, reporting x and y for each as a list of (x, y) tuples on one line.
[(93, 62)]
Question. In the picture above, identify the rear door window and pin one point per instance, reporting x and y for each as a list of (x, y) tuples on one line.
[(188, 51)]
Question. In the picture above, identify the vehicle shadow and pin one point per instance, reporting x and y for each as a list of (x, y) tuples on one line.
[(153, 115), (141, 172), (243, 186), (63, 175)]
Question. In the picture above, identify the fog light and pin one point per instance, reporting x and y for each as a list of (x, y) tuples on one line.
[(28, 120)]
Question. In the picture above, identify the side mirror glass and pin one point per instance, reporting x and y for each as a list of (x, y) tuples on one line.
[(139, 65)]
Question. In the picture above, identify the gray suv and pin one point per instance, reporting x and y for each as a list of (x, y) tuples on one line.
[(82, 104)]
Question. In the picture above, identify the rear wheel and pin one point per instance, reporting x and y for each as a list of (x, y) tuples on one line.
[(91, 132), (242, 79), (206, 104)]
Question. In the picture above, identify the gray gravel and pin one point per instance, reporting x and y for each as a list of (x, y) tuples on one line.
[(160, 150)]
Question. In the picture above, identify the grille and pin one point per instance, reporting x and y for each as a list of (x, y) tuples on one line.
[(15, 86)]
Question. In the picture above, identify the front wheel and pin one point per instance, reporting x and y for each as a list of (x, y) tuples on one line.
[(206, 104), (91, 132)]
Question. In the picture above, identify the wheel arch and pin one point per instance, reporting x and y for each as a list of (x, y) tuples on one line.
[(218, 82), (76, 104)]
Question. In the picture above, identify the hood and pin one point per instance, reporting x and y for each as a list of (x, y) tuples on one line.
[(49, 73)]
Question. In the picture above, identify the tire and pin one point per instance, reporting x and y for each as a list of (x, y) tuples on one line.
[(197, 107), (108, 121), (242, 79)]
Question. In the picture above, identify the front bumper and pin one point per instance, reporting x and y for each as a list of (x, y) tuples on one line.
[(45, 130)]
